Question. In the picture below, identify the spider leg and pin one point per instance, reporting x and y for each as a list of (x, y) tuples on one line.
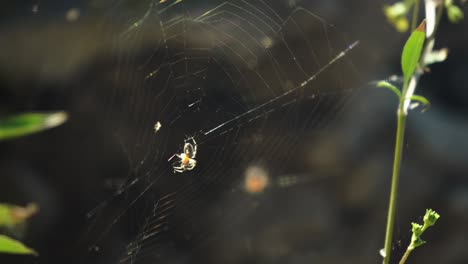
[(191, 165), (194, 148), (178, 169), (175, 155), (171, 157)]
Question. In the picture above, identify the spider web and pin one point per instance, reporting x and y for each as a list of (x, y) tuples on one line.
[(251, 82)]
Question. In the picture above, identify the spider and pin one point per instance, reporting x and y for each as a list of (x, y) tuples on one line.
[(187, 158)]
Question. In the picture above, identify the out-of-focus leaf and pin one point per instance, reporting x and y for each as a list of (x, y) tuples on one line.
[(396, 10), (401, 24), (5, 215), (412, 51), (12, 246), (28, 123), (11, 215), (396, 15)]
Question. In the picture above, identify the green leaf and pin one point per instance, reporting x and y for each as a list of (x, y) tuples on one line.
[(412, 51), (12, 246), (389, 86), (421, 99), (28, 123), (5, 216)]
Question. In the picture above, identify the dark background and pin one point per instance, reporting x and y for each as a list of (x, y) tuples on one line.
[(49, 63)]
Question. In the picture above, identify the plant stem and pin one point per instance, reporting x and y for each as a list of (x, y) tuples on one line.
[(405, 256), (401, 124)]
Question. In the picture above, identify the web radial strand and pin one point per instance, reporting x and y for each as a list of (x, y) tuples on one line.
[(249, 80)]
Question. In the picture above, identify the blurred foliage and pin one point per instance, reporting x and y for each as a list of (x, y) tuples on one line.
[(398, 13), (454, 13), (10, 216), (12, 246), (28, 123)]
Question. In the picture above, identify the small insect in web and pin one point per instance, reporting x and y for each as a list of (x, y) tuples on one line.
[(157, 127), (186, 160)]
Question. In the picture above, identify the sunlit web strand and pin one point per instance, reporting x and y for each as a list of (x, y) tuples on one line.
[(123, 212), (303, 84)]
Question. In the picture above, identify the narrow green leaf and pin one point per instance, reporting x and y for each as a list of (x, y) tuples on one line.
[(412, 51), (12, 246), (389, 86), (421, 99), (28, 123)]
